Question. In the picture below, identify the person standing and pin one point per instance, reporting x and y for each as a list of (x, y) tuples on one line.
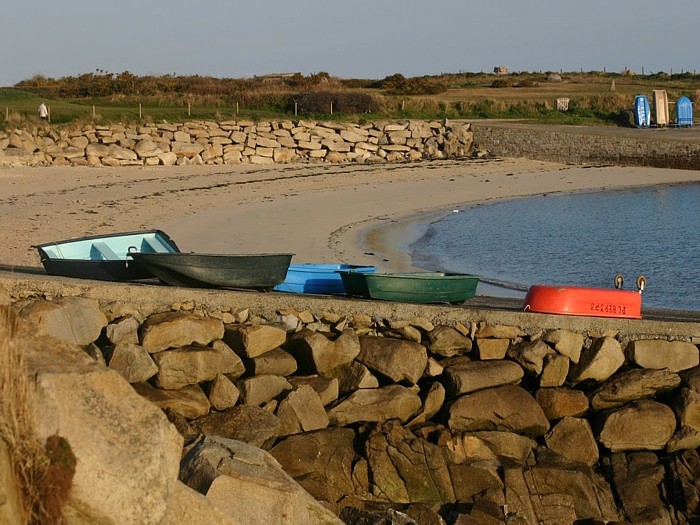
[(43, 112)]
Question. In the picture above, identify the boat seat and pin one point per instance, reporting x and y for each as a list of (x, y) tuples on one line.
[(154, 245), (104, 251)]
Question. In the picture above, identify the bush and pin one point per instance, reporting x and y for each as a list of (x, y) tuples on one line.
[(319, 103)]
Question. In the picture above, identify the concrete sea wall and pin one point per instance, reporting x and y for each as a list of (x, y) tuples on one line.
[(375, 408)]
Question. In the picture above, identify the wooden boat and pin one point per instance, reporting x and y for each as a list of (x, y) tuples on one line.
[(203, 270), (318, 278), (104, 257), (411, 287), (590, 302)]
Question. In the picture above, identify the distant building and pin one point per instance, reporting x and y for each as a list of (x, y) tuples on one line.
[(275, 77), (500, 70)]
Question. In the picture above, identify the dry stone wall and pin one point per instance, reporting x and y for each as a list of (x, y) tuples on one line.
[(235, 142), (379, 417)]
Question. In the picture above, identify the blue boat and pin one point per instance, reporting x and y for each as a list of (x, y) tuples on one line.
[(684, 112), (318, 278), (642, 114), (104, 257)]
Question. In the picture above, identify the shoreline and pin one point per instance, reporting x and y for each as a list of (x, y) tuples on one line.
[(358, 214)]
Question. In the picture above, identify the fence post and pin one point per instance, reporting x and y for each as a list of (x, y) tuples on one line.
[(139, 110), (189, 110), (295, 108), (93, 112), (236, 108), (48, 114), (7, 113), (331, 108)]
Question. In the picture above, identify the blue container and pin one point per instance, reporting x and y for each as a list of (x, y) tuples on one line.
[(642, 115), (684, 112), (318, 278)]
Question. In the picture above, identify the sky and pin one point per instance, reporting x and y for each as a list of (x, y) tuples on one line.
[(368, 39)]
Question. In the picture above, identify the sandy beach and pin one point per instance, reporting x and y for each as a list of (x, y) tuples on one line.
[(359, 214)]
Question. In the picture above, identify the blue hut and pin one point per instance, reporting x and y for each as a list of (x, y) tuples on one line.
[(684, 112)]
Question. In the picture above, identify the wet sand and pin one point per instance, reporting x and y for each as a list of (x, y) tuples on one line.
[(359, 214)]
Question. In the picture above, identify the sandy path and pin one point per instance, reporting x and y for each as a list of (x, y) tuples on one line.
[(321, 213)]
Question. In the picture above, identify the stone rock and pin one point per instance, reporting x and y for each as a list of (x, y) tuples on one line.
[(258, 390), (508, 408), (492, 348), (687, 407), (562, 402), (555, 371), (471, 376), (691, 378), (432, 404), (470, 479), (193, 364), (325, 387), (275, 362), (254, 340), (93, 408), (123, 330), (189, 402), (530, 355), (177, 329), (223, 393), (375, 405), (572, 438), (252, 425), (264, 493), (322, 462), (599, 362), (506, 446), (498, 331), (132, 362), (353, 376), (96, 150), (406, 468), (656, 353), (317, 354), (642, 425), (566, 343), (191, 507), (445, 341), (147, 148), (633, 384), (121, 153), (567, 493), (684, 439), (393, 358), (637, 476), (301, 411), (76, 320)]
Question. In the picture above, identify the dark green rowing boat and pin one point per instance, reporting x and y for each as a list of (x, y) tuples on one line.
[(411, 287)]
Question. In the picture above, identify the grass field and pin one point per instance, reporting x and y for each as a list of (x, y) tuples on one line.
[(594, 99)]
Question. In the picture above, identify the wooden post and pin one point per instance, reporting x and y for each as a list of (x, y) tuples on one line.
[(295, 108), (93, 112), (48, 113), (236, 108), (139, 110), (331, 108), (7, 113), (189, 110)]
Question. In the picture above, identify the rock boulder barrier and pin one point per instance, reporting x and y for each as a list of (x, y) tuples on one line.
[(320, 414)]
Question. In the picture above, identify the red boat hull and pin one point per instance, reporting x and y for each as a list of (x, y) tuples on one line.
[(577, 300)]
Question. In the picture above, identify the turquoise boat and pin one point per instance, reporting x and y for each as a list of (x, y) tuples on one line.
[(411, 287), (318, 278)]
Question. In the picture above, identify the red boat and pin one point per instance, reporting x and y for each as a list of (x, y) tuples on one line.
[(591, 302)]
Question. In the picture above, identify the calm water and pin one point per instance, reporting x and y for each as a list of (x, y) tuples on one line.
[(580, 239)]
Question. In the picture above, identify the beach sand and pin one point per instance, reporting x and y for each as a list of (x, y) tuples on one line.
[(358, 214)]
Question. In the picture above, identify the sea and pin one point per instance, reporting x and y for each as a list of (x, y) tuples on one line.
[(581, 239)]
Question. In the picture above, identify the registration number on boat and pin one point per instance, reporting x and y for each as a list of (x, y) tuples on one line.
[(614, 309)]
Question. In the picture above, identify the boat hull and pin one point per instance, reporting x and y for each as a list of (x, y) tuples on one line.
[(317, 278), (411, 287), (581, 301), (254, 271), (103, 257)]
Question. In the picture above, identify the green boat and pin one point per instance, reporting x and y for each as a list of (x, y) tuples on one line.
[(411, 287)]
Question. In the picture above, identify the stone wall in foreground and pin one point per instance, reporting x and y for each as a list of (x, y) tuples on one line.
[(235, 142), (425, 411)]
